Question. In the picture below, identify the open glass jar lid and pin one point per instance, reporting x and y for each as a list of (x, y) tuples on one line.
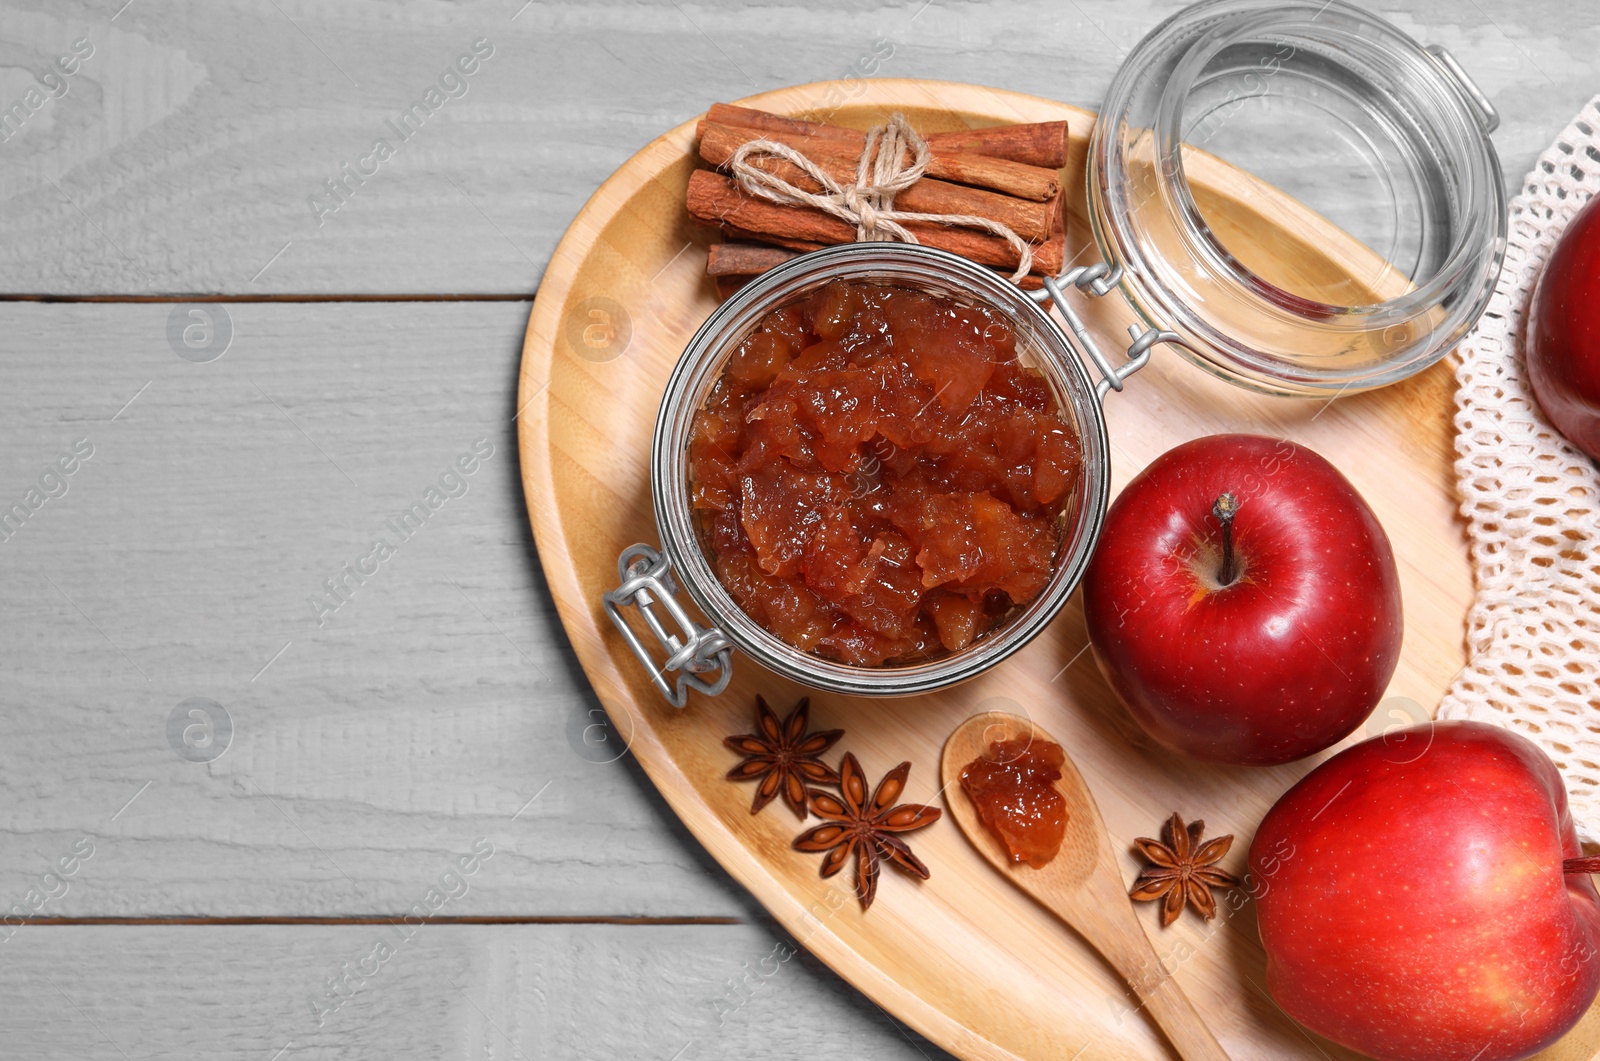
[(1333, 107), (1314, 104)]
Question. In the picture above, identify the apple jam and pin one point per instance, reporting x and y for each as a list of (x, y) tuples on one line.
[(1014, 789), (877, 479)]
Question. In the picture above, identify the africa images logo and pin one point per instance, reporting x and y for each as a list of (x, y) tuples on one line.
[(454, 482), (55, 83), (452, 84), (53, 483)]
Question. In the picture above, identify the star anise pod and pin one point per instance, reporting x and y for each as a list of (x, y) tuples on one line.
[(866, 827), (784, 756), (1182, 870)]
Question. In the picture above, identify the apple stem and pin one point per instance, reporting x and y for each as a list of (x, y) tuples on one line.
[(1225, 508), (1581, 865)]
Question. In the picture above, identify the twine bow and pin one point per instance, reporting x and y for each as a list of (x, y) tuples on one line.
[(893, 159)]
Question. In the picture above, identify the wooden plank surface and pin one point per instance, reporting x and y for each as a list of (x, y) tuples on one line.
[(424, 713), (185, 154), (511, 993)]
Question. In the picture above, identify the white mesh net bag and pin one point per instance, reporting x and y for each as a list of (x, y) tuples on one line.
[(1532, 504)]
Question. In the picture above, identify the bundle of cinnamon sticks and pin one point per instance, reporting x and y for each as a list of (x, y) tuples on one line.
[(1005, 173)]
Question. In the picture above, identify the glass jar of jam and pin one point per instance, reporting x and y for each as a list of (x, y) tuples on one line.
[(1038, 348), (1307, 95)]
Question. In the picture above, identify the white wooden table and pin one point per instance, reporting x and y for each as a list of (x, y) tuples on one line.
[(155, 606)]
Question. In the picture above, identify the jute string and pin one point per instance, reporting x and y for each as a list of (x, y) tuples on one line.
[(893, 159)]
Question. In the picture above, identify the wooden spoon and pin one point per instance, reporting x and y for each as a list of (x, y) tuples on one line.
[(1081, 885)]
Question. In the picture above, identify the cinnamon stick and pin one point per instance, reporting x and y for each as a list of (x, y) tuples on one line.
[(745, 259), (1031, 143), (715, 200), (997, 174), (1028, 219), (767, 122), (734, 232)]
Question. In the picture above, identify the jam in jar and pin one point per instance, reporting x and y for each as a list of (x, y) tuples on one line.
[(877, 478)]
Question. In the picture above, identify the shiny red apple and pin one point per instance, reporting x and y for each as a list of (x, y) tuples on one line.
[(1563, 338), (1416, 899), (1243, 601)]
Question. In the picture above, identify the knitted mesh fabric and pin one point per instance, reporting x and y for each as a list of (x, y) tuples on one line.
[(1532, 504)]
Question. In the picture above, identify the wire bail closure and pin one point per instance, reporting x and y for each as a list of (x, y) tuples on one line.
[(1099, 280), (693, 651)]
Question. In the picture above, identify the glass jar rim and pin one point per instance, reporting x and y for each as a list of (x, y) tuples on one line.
[(1256, 16), (1148, 95), (702, 361)]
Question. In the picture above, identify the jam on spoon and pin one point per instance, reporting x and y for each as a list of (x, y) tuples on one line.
[(1013, 787)]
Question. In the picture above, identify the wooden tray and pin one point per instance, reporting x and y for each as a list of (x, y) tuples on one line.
[(964, 958)]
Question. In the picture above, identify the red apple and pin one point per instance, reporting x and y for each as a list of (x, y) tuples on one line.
[(1563, 341), (1243, 601), (1416, 900)]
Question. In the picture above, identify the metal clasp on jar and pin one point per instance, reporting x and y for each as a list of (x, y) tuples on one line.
[(693, 651), (1100, 280), (1486, 112)]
